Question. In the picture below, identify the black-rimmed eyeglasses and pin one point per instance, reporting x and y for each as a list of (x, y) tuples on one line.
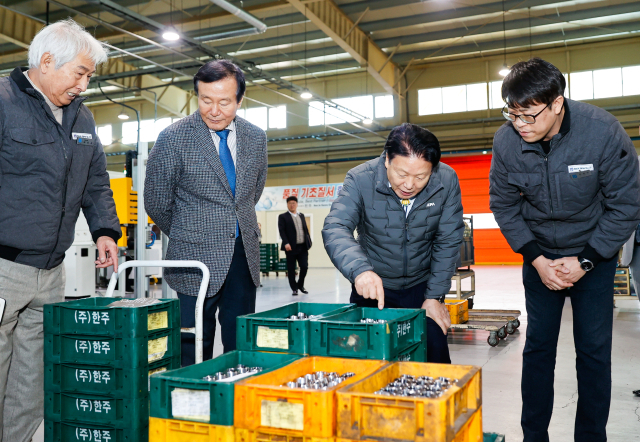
[(529, 119)]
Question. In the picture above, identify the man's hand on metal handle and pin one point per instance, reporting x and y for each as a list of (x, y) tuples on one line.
[(439, 313), (107, 253), (369, 286)]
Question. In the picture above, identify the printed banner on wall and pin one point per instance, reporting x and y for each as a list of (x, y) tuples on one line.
[(309, 197)]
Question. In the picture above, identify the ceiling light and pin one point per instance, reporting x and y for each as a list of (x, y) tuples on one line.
[(504, 71), (171, 34), (123, 115), (367, 121), (484, 152), (306, 94)]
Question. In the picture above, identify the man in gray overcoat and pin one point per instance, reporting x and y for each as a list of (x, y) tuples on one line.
[(205, 175)]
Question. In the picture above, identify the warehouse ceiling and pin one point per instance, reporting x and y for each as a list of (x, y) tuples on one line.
[(311, 38)]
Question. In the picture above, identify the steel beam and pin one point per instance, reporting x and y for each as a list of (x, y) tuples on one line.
[(20, 30), (327, 16)]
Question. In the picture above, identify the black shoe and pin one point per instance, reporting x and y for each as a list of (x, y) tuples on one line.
[(295, 293), (637, 393), (303, 290)]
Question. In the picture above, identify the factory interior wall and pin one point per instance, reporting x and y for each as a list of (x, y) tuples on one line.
[(457, 132)]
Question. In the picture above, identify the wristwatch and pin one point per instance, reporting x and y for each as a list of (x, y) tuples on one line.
[(585, 264), (441, 299)]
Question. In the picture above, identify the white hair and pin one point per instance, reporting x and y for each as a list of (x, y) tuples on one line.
[(65, 40)]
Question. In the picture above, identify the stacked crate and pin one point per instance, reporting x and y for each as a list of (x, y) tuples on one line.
[(274, 331), (269, 256), (187, 408), (267, 410), (398, 335), (98, 360)]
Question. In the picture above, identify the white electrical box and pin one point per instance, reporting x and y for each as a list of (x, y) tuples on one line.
[(79, 263)]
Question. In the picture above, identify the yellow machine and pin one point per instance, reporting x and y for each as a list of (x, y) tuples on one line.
[(126, 205)]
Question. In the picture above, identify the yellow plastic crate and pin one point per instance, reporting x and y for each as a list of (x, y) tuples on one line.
[(259, 436), (169, 430), (262, 404), (458, 310), (363, 415)]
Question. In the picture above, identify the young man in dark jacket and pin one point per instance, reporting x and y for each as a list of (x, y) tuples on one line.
[(565, 192), (51, 166), (407, 209)]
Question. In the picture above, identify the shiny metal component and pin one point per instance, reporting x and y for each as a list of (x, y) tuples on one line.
[(309, 378), (255, 369), (219, 376), (291, 384), (294, 317), (349, 374), (302, 315), (320, 374)]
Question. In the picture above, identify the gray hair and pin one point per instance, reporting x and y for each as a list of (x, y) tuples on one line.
[(65, 40)]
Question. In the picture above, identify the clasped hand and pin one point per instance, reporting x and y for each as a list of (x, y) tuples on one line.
[(558, 274)]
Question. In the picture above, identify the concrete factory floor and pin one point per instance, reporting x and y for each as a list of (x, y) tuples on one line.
[(500, 287)]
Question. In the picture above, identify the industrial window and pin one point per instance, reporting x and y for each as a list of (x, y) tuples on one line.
[(257, 116), (444, 100), (265, 118), (495, 96), (582, 85), (278, 117), (384, 106), (476, 96), (631, 80), (105, 133), (430, 101), (607, 83), (149, 130), (365, 105)]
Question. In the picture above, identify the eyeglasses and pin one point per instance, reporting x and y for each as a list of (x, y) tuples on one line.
[(529, 119)]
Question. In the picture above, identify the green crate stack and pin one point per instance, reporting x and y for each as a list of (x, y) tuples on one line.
[(204, 401), (273, 331), (269, 256), (98, 361), (281, 266), (342, 335)]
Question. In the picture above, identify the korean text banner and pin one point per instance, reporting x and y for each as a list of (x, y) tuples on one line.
[(309, 197)]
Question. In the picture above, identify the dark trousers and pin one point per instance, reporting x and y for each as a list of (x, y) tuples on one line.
[(592, 304), (298, 253), (412, 297), (236, 297)]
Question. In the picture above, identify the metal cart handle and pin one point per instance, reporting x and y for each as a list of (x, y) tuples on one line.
[(199, 302)]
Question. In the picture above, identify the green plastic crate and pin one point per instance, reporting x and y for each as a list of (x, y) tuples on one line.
[(343, 335), (415, 353), (493, 437), (76, 432), (215, 398), (272, 330), (110, 351), (115, 382), (100, 410), (91, 316)]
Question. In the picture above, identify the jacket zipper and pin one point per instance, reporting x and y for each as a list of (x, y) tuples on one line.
[(64, 187), (553, 222), (405, 245)]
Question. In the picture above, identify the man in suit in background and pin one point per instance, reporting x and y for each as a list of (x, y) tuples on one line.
[(205, 175), (296, 243)]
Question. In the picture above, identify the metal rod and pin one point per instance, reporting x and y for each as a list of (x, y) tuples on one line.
[(403, 72), (241, 14), (355, 24), (389, 57)]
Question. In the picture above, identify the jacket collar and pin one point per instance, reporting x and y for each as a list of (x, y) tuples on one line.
[(382, 183), (565, 127)]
